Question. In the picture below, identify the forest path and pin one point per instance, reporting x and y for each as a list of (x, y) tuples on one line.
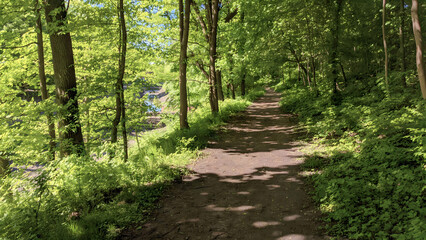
[(247, 187)]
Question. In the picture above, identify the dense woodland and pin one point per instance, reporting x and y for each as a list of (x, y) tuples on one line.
[(75, 77)]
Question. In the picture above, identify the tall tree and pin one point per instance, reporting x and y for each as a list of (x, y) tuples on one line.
[(213, 18), (70, 135), (385, 46), (184, 17), (4, 166), (336, 10), (243, 84), (421, 71), (210, 34), (402, 41), (244, 67), (120, 114), (42, 76), (220, 95)]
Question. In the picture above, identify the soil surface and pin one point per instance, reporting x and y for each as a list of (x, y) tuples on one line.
[(247, 187)]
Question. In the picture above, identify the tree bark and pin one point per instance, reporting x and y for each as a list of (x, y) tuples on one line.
[(184, 17), (71, 138), (419, 46), (210, 34), (335, 45), (231, 15), (304, 78), (220, 95), (243, 85), (117, 118), (43, 84), (200, 66), (120, 110), (121, 70), (402, 43), (201, 21), (213, 17), (299, 64), (4, 166), (385, 46), (298, 71), (308, 75), (233, 90)]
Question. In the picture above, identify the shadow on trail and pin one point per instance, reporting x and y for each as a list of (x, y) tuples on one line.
[(248, 187), (263, 128)]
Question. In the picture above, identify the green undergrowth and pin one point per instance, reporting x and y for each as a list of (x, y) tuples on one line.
[(97, 197), (366, 161)]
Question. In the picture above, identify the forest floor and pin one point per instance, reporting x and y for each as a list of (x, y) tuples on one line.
[(248, 185)]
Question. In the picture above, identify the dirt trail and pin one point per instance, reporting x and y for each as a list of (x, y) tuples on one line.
[(248, 186)]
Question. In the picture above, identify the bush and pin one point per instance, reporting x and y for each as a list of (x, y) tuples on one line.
[(96, 197), (369, 165)]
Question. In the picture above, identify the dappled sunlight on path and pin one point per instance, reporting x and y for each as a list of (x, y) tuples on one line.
[(248, 186)]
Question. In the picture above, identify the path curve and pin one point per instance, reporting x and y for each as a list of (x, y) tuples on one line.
[(248, 186)]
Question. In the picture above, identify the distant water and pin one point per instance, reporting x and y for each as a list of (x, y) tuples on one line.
[(33, 169), (149, 101)]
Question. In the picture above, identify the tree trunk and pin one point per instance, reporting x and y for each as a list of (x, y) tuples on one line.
[(419, 46), (402, 42), (219, 85), (335, 45), (213, 17), (314, 77), (71, 138), (4, 166), (43, 84), (123, 128), (210, 34), (121, 69), (243, 85), (233, 90), (120, 111), (184, 35), (117, 118), (298, 71), (308, 76), (299, 64), (385, 46), (308, 58)]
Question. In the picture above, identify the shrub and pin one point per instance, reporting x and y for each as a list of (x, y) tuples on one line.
[(96, 197), (369, 165)]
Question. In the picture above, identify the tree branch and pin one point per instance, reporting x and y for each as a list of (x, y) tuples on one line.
[(209, 15), (231, 15), (298, 60), (68, 5), (200, 65), (200, 20)]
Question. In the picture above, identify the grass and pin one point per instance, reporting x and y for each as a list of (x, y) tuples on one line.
[(80, 198), (368, 159)]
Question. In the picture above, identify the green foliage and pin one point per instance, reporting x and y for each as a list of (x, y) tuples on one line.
[(367, 161), (97, 197), (370, 176)]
